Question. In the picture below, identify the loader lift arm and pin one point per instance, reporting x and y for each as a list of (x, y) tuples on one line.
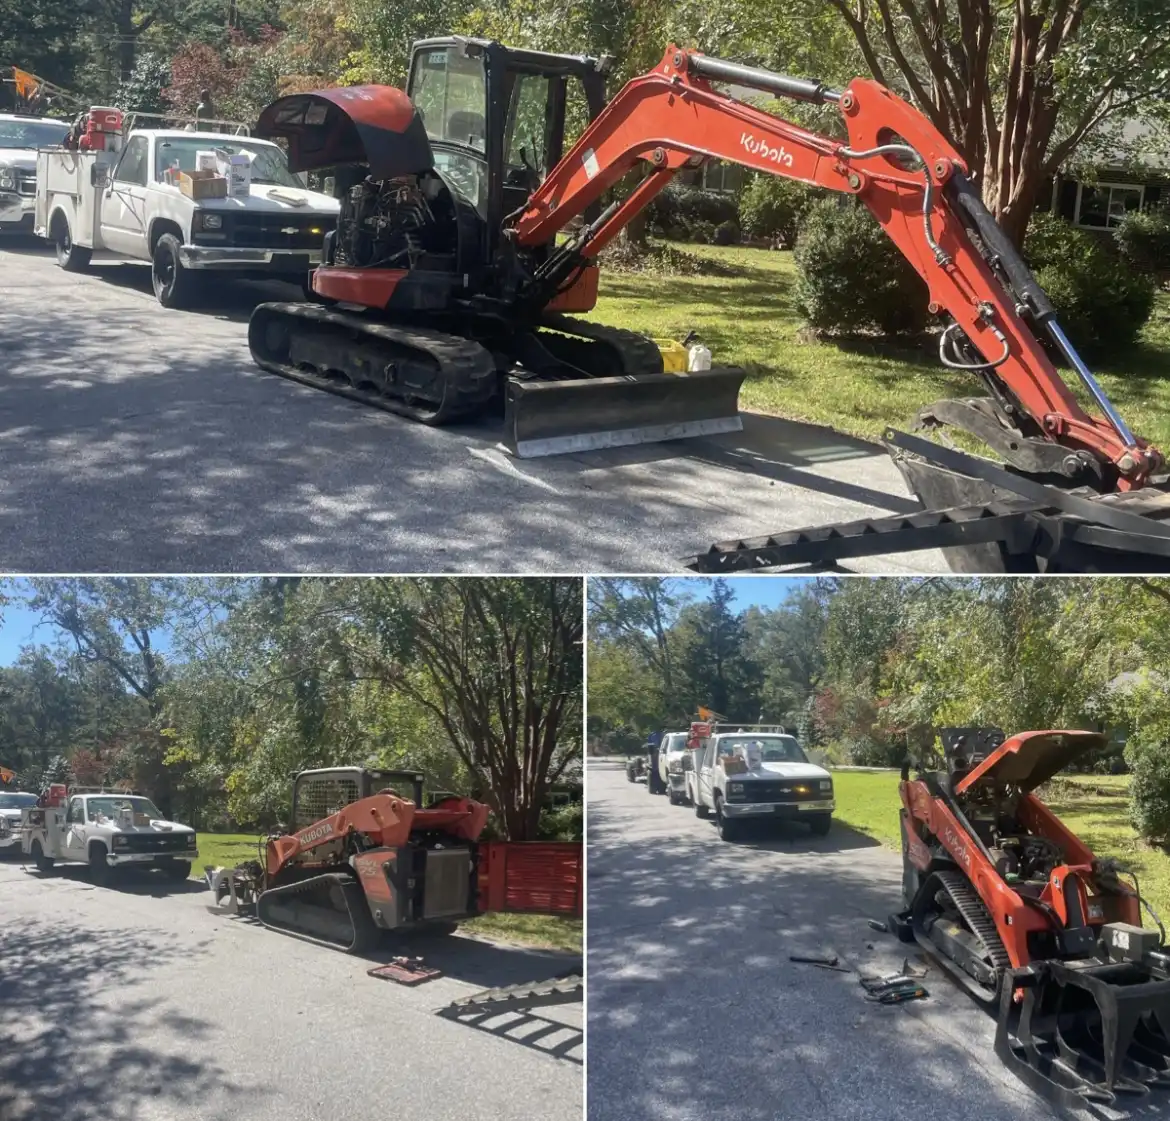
[(915, 184)]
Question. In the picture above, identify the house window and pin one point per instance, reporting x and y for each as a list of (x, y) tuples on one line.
[(725, 178), (1102, 206)]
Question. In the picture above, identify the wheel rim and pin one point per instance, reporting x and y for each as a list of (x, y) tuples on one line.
[(164, 271), (65, 243)]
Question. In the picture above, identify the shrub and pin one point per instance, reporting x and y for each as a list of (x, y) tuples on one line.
[(852, 277), (726, 233), (689, 213), (772, 207), (1144, 240), (1098, 297), (565, 823), (1149, 788)]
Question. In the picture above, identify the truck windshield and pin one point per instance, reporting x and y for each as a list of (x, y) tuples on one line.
[(17, 801), (111, 807), (269, 163), (772, 749), (32, 134), (676, 741)]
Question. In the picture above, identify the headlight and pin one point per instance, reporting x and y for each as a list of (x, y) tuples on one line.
[(674, 767), (121, 842), (191, 841), (826, 786), (734, 790), (210, 221), (7, 179)]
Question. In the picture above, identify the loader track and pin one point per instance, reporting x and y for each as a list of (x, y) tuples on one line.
[(329, 909), (975, 914), (426, 375)]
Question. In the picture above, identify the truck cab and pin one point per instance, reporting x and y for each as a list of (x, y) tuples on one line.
[(20, 137), (145, 197), (747, 773), (107, 830), (672, 757)]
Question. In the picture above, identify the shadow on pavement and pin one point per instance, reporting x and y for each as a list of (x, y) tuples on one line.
[(696, 1012), (74, 1009)]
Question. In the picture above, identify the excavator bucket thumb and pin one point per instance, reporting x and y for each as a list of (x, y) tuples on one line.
[(1078, 1032), (558, 417)]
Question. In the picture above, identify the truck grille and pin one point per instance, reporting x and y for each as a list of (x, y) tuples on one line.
[(153, 842), (272, 231), (26, 183), (782, 792), (448, 883)]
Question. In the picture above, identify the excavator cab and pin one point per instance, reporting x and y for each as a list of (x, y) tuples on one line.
[(496, 117), (322, 792)]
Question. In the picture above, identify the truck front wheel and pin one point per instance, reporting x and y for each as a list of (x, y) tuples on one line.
[(821, 824), (728, 829), (174, 286), (99, 870), (43, 863), (72, 258), (700, 809)]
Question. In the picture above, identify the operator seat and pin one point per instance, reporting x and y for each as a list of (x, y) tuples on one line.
[(467, 128)]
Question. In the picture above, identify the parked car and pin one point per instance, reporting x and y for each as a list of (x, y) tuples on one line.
[(11, 806), (20, 137)]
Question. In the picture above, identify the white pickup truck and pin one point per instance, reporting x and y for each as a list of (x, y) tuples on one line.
[(749, 774), (12, 806), (128, 204), (106, 831), (20, 137)]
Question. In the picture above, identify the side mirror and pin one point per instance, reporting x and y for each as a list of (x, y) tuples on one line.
[(330, 186)]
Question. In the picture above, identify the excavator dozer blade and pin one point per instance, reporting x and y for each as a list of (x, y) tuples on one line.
[(1086, 1032), (545, 418), (330, 910)]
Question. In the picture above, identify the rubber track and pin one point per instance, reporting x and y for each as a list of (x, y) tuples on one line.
[(978, 918), (639, 355), (365, 933), (467, 368)]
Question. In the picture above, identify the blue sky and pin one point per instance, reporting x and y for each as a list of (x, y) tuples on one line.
[(752, 591)]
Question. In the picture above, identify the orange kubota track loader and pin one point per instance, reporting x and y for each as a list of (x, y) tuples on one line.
[(1028, 920), (363, 859), (445, 277)]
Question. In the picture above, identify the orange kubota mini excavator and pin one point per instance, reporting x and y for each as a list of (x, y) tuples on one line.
[(445, 277), (363, 858), (1028, 920)]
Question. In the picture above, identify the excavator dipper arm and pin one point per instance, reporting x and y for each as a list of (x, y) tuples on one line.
[(908, 175)]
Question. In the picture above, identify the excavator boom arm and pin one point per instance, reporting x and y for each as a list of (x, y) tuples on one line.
[(673, 117)]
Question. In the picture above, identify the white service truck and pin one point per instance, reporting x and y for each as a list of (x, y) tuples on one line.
[(672, 757), (20, 138), (757, 773), (128, 204), (106, 830)]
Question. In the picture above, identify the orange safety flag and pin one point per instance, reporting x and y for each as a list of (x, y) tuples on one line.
[(26, 84), (6, 775)]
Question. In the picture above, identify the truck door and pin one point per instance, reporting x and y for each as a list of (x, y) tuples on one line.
[(541, 876), (74, 839), (706, 773), (123, 202)]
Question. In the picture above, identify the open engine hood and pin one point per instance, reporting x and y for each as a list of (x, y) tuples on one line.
[(1030, 759), (374, 125)]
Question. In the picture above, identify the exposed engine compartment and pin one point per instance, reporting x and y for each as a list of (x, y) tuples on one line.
[(395, 223)]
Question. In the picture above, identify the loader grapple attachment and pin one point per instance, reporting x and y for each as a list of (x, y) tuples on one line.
[(545, 418), (1086, 1031)]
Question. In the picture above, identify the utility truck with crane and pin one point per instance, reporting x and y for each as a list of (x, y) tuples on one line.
[(467, 246), (108, 830), (744, 773), (192, 202)]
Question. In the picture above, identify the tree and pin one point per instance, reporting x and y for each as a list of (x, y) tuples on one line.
[(1019, 87), (43, 37), (498, 662)]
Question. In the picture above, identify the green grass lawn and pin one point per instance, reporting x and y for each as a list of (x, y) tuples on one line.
[(546, 931), (1094, 807), (857, 387)]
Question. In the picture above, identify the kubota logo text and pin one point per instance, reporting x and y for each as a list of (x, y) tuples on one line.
[(765, 150), (316, 833)]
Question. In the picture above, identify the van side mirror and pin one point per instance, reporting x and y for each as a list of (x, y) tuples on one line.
[(330, 186)]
